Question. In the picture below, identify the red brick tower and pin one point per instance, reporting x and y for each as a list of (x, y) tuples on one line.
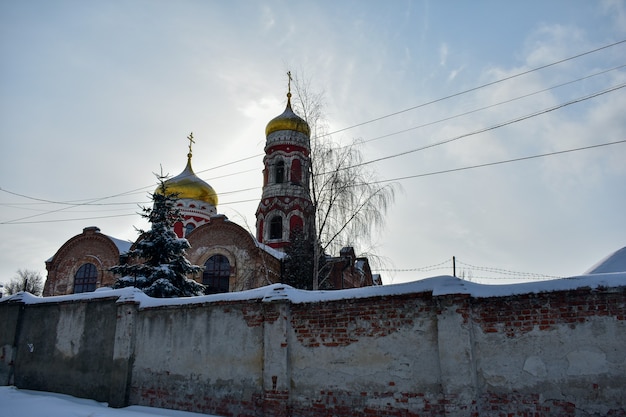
[(285, 205)]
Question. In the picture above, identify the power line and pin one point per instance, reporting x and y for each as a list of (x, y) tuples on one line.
[(506, 271), (593, 95), (383, 181), (501, 274), (18, 221), (447, 264), (583, 98), (70, 220), (474, 88), (15, 221), (493, 127), (491, 105), (500, 162), (431, 102), (461, 93), (143, 189)]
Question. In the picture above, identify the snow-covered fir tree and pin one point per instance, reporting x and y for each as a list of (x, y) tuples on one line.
[(298, 264), (162, 267)]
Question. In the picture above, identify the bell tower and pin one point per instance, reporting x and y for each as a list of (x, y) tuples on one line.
[(285, 205)]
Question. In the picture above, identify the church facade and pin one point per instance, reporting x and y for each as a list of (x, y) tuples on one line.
[(233, 259)]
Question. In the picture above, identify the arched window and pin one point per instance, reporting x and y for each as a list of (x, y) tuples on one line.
[(179, 229), (280, 172), (296, 171), (296, 225), (276, 228), (216, 274), (259, 231), (188, 228), (86, 278)]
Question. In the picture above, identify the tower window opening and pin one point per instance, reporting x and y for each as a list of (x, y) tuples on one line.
[(216, 274), (280, 172), (188, 228), (86, 278), (296, 225), (296, 172), (276, 228)]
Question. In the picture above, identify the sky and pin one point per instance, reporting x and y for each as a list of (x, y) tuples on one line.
[(96, 97)]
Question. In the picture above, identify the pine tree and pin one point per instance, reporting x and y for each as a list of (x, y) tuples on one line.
[(162, 267), (298, 266)]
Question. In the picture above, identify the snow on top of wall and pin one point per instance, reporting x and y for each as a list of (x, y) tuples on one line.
[(615, 262), (447, 285), (442, 285), (100, 293)]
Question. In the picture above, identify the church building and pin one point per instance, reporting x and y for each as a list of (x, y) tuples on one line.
[(233, 259)]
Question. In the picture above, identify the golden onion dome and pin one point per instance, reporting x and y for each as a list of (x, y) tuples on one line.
[(288, 121), (188, 186)]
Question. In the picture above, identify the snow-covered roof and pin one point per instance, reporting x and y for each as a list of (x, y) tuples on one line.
[(275, 253), (122, 245), (360, 265), (615, 262), (442, 285)]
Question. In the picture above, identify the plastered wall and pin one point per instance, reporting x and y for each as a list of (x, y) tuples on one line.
[(271, 352)]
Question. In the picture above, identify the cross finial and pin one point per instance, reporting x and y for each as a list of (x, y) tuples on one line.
[(191, 141), (289, 83)]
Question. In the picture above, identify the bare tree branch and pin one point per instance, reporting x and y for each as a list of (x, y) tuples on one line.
[(27, 281), (349, 206)]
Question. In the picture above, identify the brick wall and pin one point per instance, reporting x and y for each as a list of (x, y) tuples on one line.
[(88, 247), (404, 350)]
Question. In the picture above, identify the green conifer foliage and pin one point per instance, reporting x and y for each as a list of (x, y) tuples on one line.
[(298, 265), (158, 264)]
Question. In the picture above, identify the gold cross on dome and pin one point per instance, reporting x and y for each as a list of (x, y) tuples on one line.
[(289, 82), (190, 138)]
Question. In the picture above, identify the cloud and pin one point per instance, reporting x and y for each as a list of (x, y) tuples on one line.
[(93, 109), (452, 74), (617, 10), (267, 17), (443, 54), (552, 42)]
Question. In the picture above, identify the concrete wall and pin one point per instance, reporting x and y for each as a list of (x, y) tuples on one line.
[(205, 358), (390, 351), (61, 347)]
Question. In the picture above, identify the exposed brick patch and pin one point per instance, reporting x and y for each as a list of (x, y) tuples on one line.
[(253, 315), (271, 314), (226, 406), (378, 404), (417, 323), (530, 405), (516, 315), (275, 403), (340, 323)]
